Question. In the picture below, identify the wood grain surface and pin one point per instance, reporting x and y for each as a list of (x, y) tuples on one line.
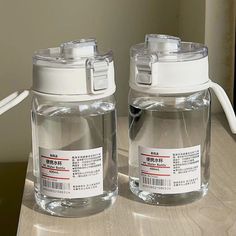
[(215, 214)]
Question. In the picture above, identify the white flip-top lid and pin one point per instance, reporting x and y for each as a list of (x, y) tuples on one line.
[(74, 69), (165, 65)]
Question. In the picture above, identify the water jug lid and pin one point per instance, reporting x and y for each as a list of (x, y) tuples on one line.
[(165, 64), (169, 48), (74, 68)]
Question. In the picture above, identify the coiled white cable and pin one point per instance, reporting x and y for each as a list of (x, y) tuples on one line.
[(12, 100)]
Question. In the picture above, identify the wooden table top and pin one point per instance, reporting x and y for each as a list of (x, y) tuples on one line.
[(215, 214)]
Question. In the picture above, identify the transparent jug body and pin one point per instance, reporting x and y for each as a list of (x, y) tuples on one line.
[(170, 122), (64, 127)]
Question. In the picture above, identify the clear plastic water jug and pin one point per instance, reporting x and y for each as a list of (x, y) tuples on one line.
[(73, 129), (170, 120)]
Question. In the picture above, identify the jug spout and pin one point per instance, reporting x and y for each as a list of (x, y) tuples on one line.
[(226, 105)]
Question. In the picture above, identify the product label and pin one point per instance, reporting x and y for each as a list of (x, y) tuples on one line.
[(71, 174), (170, 171)]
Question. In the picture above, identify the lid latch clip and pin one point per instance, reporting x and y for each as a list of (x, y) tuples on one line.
[(144, 69), (98, 73)]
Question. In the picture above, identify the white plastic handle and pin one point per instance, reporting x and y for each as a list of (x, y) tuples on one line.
[(226, 105), (12, 100)]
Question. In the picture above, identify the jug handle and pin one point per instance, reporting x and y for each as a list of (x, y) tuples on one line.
[(12, 100), (226, 105)]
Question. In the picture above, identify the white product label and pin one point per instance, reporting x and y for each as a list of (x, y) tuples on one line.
[(71, 174), (170, 171)]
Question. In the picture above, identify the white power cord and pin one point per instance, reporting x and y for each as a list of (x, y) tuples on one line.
[(12, 100)]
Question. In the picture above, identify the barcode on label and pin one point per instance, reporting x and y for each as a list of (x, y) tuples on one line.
[(56, 185), (157, 182)]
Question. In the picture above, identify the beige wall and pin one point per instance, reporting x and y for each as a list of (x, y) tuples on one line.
[(212, 22), (192, 20), (29, 25), (220, 38)]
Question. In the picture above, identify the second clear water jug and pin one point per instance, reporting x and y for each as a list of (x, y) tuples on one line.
[(170, 120)]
